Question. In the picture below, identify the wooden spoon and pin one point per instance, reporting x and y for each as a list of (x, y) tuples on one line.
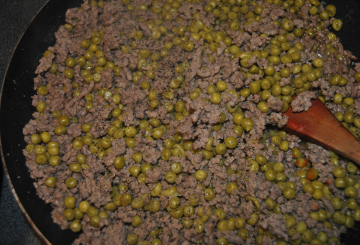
[(319, 126)]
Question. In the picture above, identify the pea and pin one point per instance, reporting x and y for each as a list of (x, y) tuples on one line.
[(119, 162), (254, 166), (351, 203), (266, 167), (279, 167), (130, 142), (351, 168), (75, 167), (318, 193), (75, 225), (215, 98), (269, 70), (132, 238), (254, 87), (170, 177), (340, 183), (71, 182), (187, 223), (263, 107), (137, 203), (125, 199), (276, 90), (222, 225), (270, 174), (287, 25), (69, 214), (199, 225), (337, 203), (270, 203), (318, 62), (207, 154), (339, 172), (289, 193), (312, 174), (166, 154), (351, 191), (221, 86), (338, 99), (51, 182), (141, 178), (244, 234), (238, 117), (230, 187), (245, 92), (156, 190), (308, 188), (209, 194), (189, 211), (137, 157), (350, 180), (220, 149), (200, 175), (337, 24), (247, 124), (276, 140), (338, 217), (349, 117), (41, 159), (230, 142), (307, 236), (356, 215)]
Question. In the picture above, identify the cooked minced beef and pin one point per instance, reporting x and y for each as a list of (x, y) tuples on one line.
[(302, 102), (164, 117)]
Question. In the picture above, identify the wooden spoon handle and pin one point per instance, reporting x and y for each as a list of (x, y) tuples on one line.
[(318, 125)]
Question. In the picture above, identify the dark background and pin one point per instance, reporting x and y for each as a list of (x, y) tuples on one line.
[(15, 15)]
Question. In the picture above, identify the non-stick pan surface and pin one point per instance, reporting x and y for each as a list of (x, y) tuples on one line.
[(16, 108)]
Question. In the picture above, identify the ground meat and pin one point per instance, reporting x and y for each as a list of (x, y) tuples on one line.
[(153, 176), (115, 234), (278, 120), (302, 101), (275, 224), (275, 103), (60, 219), (99, 128), (45, 64)]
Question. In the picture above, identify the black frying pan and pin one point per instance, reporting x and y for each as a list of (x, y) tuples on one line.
[(16, 108)]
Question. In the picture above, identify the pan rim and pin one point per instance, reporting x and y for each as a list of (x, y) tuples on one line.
[(34, 227), (39, 234)]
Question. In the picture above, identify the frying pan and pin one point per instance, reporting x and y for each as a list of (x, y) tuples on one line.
[(16, 109)]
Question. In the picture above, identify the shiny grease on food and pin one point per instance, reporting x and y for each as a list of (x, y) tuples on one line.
[(154, 123)]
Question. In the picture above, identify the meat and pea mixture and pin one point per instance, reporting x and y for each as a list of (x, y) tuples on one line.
[(159, 122)]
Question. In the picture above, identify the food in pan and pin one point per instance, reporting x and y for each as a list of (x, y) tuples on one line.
[(159, 122)]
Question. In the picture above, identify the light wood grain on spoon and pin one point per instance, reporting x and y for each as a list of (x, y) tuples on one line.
[(319, 126)]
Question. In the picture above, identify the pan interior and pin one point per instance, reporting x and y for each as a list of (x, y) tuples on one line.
[(16, 108)]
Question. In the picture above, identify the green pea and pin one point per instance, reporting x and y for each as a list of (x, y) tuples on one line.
[(337, 24), (289, 193), (230, 142), (276, 90), (247, 124), (351, 168), (338, 217), (254, 87), (351, 191), (270, 174), (220, 149)]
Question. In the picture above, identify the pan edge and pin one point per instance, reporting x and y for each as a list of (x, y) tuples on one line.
[(39, 234)]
